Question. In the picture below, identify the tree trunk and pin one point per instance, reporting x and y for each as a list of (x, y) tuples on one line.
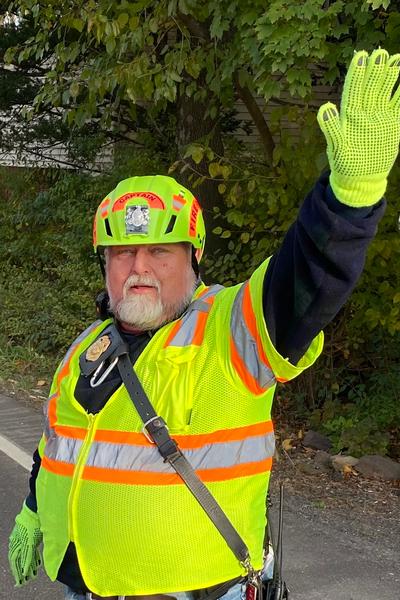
[(192, 126)]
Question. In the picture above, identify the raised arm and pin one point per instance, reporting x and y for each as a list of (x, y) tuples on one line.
[(323, 254)]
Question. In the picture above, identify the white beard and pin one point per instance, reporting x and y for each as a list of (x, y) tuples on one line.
[(144, 313)]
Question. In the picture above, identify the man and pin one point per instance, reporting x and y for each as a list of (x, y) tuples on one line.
[(116, 519)]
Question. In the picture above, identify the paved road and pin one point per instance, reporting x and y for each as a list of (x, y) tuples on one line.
[(328, 558), (21, 425), (325, 558)]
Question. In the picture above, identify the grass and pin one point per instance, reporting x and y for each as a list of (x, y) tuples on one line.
[(25, 372)]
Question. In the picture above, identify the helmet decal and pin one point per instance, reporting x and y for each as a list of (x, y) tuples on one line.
[(95, 234), (153, 200), (193, 218), (178, 201), (137, 219), (104, 206)]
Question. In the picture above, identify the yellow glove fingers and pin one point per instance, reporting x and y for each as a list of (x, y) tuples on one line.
[(354, 83), (395, 101), (15, 563), (32, 571), (374, 75), (26, 558), (390, 78), (328, 119)]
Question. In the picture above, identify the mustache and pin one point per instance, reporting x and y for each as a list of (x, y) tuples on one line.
[(140, 280)]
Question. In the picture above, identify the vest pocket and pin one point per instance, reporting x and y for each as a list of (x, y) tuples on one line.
[(175, 385)]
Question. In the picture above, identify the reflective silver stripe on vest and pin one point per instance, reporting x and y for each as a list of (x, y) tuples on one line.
[(144, 458), (184, 336), (246, 345), (211, 291), (62, 448)]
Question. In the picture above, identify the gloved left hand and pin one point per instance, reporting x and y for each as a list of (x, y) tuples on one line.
[(363, 140), (23, 549)]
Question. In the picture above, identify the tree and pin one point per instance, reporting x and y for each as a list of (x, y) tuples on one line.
[(164, 76), (179, 66)]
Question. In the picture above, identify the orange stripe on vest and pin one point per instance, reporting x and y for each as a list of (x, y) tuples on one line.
[(186, 442), (153, 478), (199, 329), (58, 467), (250, 320), (173, 333), (250, 382)]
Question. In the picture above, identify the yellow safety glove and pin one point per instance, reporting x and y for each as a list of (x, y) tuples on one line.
[(363, 140), (23, 547)]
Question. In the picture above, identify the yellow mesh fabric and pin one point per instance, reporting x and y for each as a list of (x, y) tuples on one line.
[(52, 493), (167, 543)]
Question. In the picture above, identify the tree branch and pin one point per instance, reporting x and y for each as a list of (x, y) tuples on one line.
[(195, 28), (254, 110)]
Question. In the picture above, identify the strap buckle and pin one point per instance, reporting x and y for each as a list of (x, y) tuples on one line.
[(161, 423)]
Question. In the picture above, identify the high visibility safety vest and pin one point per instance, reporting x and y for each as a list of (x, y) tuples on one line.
[(137, 528)]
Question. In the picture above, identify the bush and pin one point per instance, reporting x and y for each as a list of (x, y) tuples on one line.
[(49, 278), (49, 275)]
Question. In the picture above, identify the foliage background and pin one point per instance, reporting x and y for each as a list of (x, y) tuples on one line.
[(159, 80)]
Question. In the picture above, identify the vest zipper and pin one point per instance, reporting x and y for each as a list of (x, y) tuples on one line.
[(76, 479)]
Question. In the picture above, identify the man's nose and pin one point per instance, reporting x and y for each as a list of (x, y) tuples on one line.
[(141, 263)]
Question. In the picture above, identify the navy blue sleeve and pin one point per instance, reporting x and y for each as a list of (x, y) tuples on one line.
[(31, 498), (316, 268)]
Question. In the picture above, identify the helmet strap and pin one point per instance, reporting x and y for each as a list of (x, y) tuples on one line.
[(195, 264), (101, 263)]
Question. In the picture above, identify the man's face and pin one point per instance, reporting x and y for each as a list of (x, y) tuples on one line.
[(149, 285)]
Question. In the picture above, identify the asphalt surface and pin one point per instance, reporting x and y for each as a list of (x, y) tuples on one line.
[(21, 425), (324, 558)]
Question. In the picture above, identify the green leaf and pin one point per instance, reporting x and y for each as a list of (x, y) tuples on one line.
[(133, 23), (197, 154), (213, 111), (214, 169), (74, 89), (123, 19), (251, 186), (78, 24), (110, 45), (375, 4), (153, 25), (193, 66), (226, 171)]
